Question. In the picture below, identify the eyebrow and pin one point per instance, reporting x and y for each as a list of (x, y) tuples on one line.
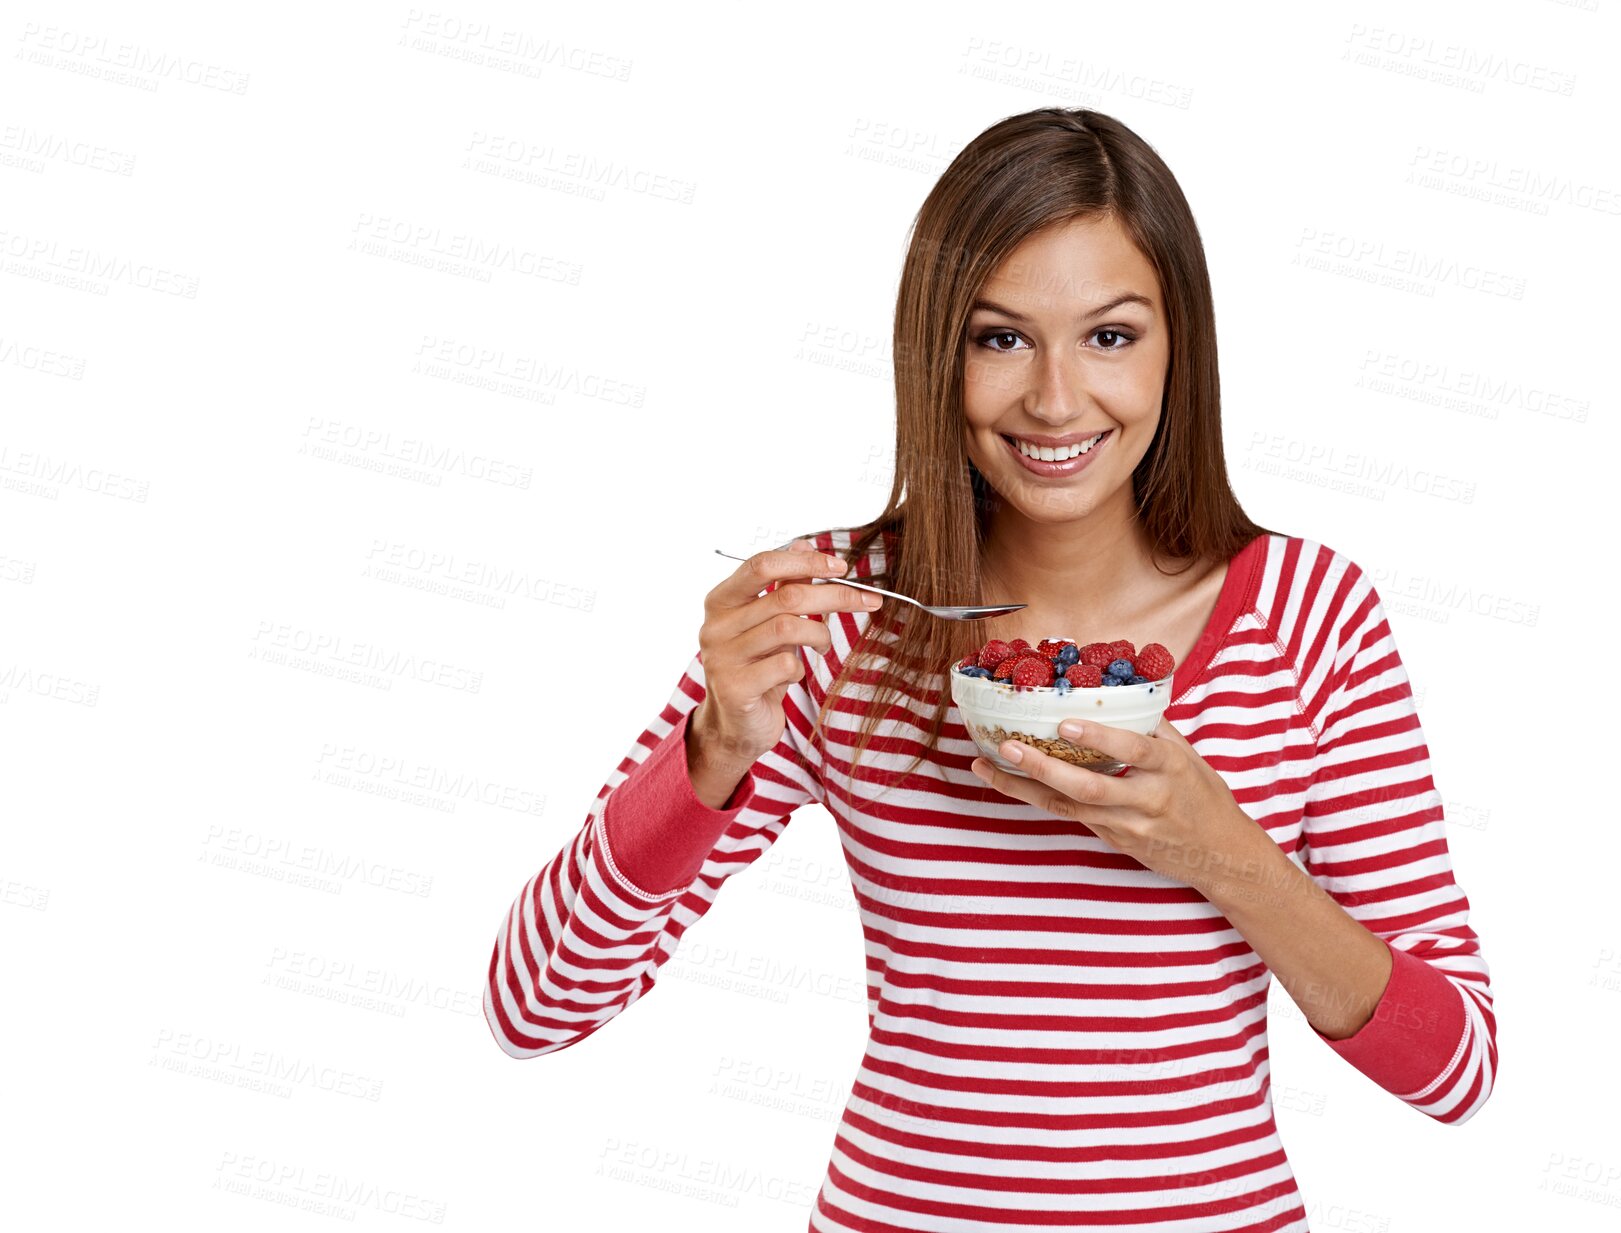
[(1131, 297)]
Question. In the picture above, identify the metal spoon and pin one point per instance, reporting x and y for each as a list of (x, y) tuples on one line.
[(948, 612)]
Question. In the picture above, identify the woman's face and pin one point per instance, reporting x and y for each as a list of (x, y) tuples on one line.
[(1057, 353)]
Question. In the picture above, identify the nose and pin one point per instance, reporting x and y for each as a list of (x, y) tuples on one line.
[(1057, 393)]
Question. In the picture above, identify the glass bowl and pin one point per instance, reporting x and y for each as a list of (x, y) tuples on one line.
[(995, 711)]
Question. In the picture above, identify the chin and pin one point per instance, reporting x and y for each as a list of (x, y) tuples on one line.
[(1046, 505)]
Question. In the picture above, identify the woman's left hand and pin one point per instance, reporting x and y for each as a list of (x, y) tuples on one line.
[(1170, 812)]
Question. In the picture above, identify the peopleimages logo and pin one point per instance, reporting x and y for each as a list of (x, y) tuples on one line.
[(324, 436), (95, 55), (284, 859), (278, 642), (321, 1192), (88, 269), (33, 149)]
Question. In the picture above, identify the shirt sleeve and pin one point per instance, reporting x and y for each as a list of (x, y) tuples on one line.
[(587, 934), (1374, 837)]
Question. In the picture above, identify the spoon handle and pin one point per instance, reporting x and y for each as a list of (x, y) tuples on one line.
[(848, 582), (863, 586)]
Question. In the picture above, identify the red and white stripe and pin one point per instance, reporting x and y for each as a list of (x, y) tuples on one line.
[(1059, 1036)]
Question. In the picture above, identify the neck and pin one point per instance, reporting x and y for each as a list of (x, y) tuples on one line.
[(1074, 576)]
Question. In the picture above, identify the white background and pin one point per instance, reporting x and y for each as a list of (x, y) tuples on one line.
[(243, 419)]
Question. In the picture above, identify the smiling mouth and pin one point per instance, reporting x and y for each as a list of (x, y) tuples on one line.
[(1059, 453)]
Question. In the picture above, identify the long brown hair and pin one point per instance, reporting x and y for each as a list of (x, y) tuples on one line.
[(1022, 174)]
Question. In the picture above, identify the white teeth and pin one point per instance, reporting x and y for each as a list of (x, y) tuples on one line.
[(1048, 453)]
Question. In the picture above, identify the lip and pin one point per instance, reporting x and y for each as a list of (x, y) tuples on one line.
[(1058, 470)]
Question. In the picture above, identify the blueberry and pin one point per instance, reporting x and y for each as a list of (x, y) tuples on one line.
[(1119, 668), (1061, 685), (976, 672), (1110, 680), (1071, 654), (1134, 679)]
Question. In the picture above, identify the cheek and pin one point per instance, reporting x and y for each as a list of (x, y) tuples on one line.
[(1146, 378), (973, 393), (1131, 390), (986, 388)]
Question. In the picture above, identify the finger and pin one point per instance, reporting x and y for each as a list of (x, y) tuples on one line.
[(1042, 796), (780, 630), (1121, 744), (1167, 731), (1057, 777), (821, 595), (791, 601), (1016, 786), (740, 683), (766, 569)]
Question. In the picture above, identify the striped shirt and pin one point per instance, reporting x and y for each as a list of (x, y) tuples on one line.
[(1058, 1036)]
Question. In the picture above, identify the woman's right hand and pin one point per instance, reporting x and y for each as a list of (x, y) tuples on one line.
[(749, 646)]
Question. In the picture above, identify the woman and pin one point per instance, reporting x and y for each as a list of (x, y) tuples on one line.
[(1068, 973)]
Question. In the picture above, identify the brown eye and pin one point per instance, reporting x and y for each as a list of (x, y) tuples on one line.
[(1124, 340), (985, 340)]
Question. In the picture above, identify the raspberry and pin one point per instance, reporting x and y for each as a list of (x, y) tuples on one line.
[(1155, 662), (1032, 670), (1068, 664), (1084, 676), (993, 653), (1098, 654)]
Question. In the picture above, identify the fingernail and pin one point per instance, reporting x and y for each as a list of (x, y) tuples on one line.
[(1011, 751), (833, 563), (871, 601), (1070, 728)]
